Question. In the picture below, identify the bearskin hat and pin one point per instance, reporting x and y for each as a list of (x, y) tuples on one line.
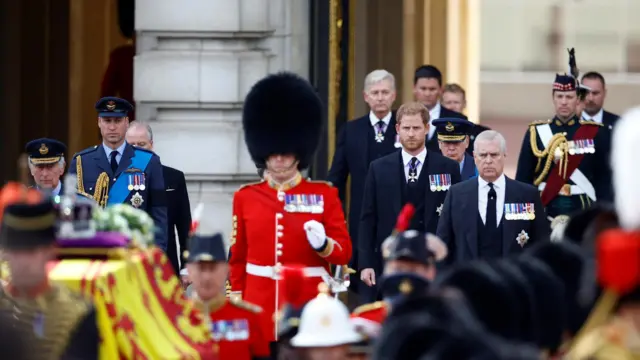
[(282, 115)]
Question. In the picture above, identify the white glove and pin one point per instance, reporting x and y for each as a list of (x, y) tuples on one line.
[(315, 234)]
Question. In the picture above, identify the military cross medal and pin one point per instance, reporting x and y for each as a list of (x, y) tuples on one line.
[(379, 136), (439, 209), (413, 177)]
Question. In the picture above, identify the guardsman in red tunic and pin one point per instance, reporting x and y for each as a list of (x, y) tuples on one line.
[(410, 265), (284, 219), (235, 324)]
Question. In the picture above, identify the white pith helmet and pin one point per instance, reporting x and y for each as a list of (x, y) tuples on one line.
[(325, 322)]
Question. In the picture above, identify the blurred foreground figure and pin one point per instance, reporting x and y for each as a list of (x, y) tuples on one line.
[(613, 329)]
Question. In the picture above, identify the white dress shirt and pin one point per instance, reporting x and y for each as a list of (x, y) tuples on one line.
[(433, 114), (57, 189), (406, 159), (120, 151), (597, 117), (374, 121), (483, 197)]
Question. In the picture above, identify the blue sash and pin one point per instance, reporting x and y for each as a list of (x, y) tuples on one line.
[(120, 190)]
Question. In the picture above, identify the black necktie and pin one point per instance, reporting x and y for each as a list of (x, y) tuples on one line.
[(114, 163), (413, 170), (491, 219)]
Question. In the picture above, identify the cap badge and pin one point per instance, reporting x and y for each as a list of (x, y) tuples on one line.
[(406, 287), (449, 127), (44, 150), (111, 105)]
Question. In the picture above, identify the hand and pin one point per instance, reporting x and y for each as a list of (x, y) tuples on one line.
[(315, 234), (368, 276)]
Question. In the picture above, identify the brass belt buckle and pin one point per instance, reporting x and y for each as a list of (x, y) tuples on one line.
[(565, 190)]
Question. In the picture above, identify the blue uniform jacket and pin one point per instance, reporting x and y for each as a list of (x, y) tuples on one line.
[(468, 168), (94, 162)]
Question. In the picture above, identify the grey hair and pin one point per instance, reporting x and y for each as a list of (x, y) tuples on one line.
[(61, 162), (377, 76), (138, 124), (488, 136)]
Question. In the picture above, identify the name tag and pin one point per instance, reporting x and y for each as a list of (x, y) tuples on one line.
[(230, 330), (304, 203), (519, 211), (439, 182)]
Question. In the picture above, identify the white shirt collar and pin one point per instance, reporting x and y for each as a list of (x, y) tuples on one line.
[(108, 150), (435, 112), (597, 117), (499, 183), (57, 189), (406, 157), (374, 119)]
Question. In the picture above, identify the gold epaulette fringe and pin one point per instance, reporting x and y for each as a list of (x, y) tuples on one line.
[(540, 122), (368, 307), (590, 122), (245, 305)]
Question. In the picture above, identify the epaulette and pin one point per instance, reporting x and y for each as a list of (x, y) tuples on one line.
[(369, 307), (86, 151), (320, 182), (249, 184), (245, 305), (589, 122), (540, 122)]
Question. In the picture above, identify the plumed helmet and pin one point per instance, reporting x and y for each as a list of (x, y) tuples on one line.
[(282, 115)]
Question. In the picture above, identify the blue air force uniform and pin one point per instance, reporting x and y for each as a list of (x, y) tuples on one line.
[(46, 152), (456, 130), (137, 179)]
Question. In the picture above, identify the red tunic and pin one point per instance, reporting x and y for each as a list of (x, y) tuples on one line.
[(268, 233), (375, 312), (236, 328)]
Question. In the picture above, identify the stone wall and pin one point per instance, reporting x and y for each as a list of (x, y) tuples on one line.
[(195, 62)]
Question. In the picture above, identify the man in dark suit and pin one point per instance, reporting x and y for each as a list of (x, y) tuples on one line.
[(427, 89), (491, 216), (594, 101), (46, 164), (115, 172), (453, 139), (413, 175), (361, 141), (178, 207)]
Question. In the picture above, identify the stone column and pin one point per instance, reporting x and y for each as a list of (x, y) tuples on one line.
[(195, 62)]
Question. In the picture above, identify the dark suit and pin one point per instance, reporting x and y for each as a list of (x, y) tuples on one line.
[(95, 162), (468, 168), (458, 227), (384, 191), (178, 213), (355, 150), (609, 119)]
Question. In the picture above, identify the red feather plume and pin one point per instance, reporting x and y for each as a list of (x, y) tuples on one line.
[(294, 279), (404, 218), (619, 260)]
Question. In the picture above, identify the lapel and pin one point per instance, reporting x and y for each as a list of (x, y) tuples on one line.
[(125, 161), (100, 157), (469, 209), (509, 230), (362, 126), (400, 183), (428, 168)]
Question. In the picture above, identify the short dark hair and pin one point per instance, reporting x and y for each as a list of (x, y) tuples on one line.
[(594, 75), (427, 72)]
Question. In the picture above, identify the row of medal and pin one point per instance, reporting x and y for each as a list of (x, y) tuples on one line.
[(304, 203), (439, 182), (230, 330), (136, 182), (586, 146), (522, 211)]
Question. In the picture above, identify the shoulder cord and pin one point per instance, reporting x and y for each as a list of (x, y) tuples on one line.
[(558, 141)]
